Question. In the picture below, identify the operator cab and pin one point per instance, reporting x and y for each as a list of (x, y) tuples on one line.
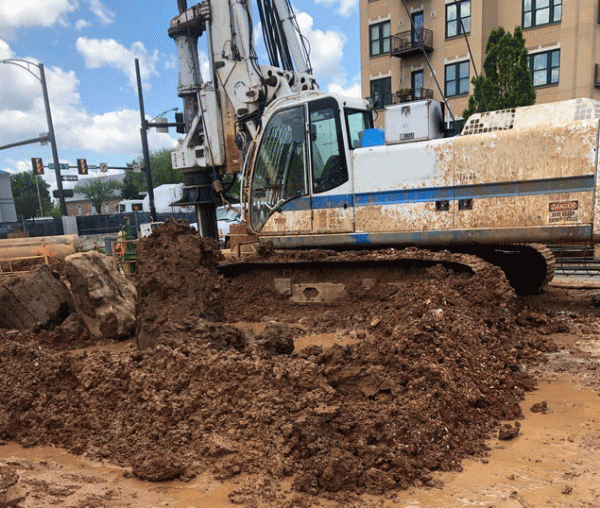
[(302, 168)]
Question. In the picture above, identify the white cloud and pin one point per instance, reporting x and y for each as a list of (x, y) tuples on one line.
[(345, 7), (105, 16), (22, 115), (80, 24), (20, 13), (108, 52), (353, 90), (326, 51)]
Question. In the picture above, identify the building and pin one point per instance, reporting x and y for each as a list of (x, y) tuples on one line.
[(398, 37), (7, 203), (80, 205)]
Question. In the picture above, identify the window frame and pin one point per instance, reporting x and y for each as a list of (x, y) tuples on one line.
[(552, 8), (459, 26), (380, 40), (384, 95), (457, 79), (549, 67)]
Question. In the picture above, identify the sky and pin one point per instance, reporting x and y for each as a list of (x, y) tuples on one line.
[(88, 49)]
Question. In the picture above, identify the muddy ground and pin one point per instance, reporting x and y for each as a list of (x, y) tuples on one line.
[(381, 398)]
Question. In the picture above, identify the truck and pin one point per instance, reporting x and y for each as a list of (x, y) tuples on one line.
[(317, 174)]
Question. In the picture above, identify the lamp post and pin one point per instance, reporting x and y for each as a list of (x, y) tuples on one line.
[(26, 64)]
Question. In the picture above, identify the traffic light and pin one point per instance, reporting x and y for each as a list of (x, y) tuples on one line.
[(82, 167), (180, 128), (38, 165)]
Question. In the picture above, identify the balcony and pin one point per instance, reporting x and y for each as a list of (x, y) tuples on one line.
[(410, 95), (411, 43), (400, 97)]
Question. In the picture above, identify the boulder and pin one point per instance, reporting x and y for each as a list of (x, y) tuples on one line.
[(104, 299), (11, 492), (33, 300)]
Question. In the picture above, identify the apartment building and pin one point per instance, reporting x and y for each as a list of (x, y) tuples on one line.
[(413, 49)]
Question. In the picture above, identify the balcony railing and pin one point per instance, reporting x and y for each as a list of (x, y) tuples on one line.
[(380, 101), (412, 43), (412, 95)]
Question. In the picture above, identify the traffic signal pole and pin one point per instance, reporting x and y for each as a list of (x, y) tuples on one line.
[(61, 195)]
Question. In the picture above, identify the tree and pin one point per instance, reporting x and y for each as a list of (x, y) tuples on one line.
[(506, 80), (25, 194), (98, 191), (129, 189), (162, 170)]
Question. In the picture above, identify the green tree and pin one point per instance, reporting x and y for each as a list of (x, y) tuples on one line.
[(98, 191), (25, 194), (162, 170), (129, 189), (506, 80)]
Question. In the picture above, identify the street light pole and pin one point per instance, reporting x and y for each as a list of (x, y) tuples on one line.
[(24, 64)]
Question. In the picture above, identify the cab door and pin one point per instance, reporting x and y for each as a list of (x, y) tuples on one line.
[(280, 197), (332, 197)]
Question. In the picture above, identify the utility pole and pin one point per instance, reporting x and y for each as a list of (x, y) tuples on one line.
[(146, 153)]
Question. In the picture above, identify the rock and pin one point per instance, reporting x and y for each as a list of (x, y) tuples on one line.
[(11, 492), (104, 299), (341, 469), (376, 481), (507, 432), (158, 468), (539, 407), (34, 300), (276, 338)]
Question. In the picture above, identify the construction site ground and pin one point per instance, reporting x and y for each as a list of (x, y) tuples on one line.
[(445, 392)]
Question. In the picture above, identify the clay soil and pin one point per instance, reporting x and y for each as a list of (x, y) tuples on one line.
[(382, 397)]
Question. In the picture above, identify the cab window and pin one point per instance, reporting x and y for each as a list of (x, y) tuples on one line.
[(357, 121), (327, 146), (280, 173)]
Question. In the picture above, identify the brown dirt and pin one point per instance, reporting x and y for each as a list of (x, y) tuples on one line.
[(438, 364)]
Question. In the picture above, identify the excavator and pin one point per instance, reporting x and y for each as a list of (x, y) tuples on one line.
[(317, 176)]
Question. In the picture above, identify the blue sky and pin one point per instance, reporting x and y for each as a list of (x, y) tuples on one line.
[(88, 49)]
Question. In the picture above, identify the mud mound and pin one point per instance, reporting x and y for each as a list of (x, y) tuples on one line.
[(441, 366), (176, 280)]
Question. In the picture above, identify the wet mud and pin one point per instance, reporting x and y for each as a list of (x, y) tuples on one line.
[(387, 392)]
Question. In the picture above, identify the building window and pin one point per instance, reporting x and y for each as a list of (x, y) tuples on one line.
[(457, 79), (381, 92), (541, 12), (458, 18), (545, 67), (380, 38)]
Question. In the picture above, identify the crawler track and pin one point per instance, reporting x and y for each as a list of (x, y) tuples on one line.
[(319, 276)]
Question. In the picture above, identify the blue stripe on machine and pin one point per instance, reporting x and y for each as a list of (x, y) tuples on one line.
[(545, 234), (477, 191), (489, 190)]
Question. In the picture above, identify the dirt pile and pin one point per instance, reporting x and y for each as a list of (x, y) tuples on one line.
[(176, 280), (442, 363)]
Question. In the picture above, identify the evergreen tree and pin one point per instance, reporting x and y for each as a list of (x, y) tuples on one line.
[(129, 189), (506, 80)]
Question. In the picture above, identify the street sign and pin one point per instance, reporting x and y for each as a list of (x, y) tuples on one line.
[(62, 165), (103, 167), (68, 193), (137, 168), (68, 178)]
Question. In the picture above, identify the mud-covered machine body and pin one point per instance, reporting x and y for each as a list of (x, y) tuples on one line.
[(317, 175)]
